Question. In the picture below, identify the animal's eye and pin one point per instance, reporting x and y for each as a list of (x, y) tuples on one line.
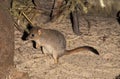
[(32, 35)]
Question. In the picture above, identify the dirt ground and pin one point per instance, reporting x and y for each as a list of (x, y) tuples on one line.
[(102, 34)]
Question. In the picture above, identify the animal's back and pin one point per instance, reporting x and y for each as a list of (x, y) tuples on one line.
[(55, 41)]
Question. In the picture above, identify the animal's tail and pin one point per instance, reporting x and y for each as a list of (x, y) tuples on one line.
[(83, 48)]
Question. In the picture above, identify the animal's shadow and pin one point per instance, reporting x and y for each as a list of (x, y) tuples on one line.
[(117, 77), (25, 35), (118, 16)]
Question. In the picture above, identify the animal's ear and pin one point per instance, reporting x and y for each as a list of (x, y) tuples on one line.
[(39, 32)]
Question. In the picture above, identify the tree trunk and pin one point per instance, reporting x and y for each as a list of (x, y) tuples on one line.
[(6, 40), (7, 70)]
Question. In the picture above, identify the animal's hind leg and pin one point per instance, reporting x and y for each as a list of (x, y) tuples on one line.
[(55, 57)]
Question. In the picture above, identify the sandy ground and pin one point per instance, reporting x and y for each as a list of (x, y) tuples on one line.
[(103, 34)]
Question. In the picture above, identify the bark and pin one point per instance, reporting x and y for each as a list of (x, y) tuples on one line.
[(6, 40), (7, 70)]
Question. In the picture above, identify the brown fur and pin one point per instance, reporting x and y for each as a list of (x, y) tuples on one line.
[(54, 43)]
